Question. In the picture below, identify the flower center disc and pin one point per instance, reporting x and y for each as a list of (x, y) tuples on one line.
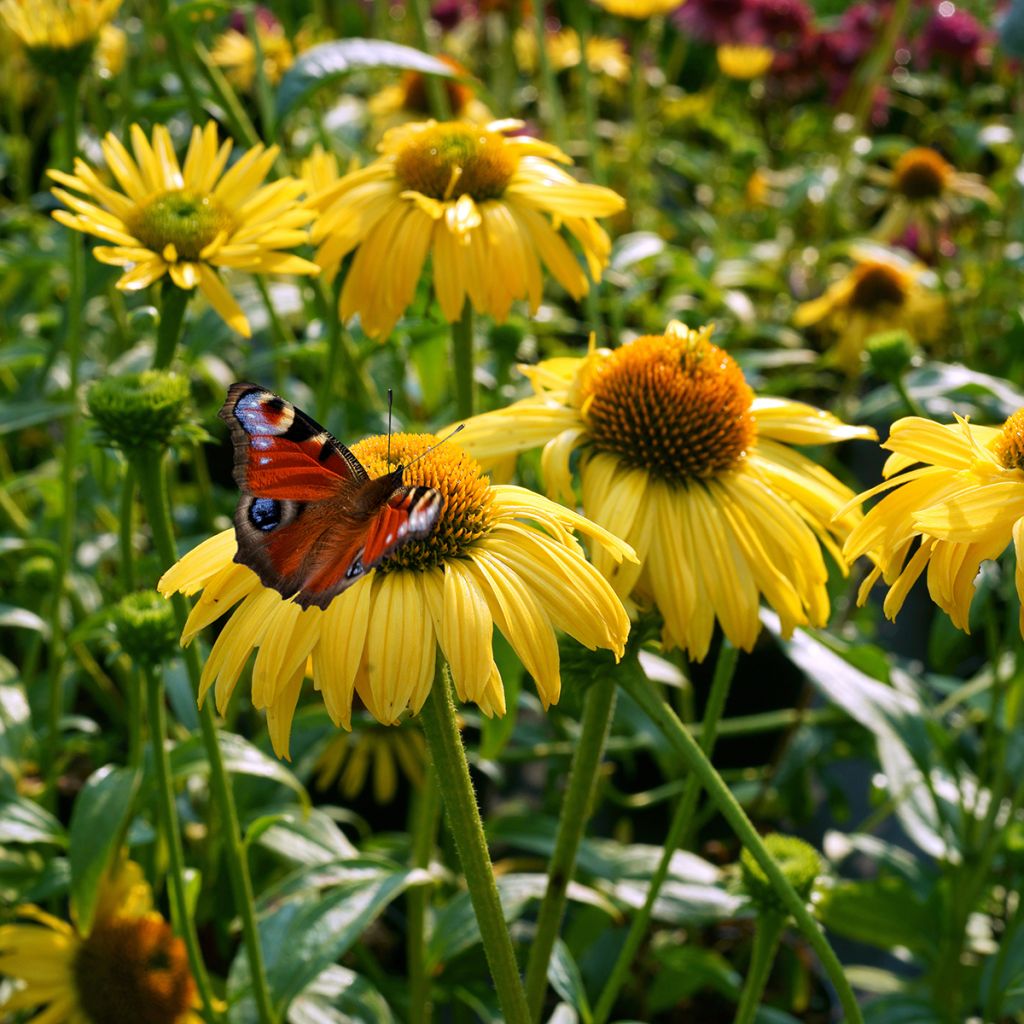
[(674, 404), (183, 219), (133, 969), (466, 510), (921, 174), (1010, 444), (877, 286), (445, 161)]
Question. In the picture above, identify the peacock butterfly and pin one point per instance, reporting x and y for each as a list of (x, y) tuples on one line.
[(310, 520)]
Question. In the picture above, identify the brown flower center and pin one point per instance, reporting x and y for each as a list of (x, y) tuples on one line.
[(673, 404), (921, 173), (417, 99), (181, 218), (132, 970), (877, 285), (445, 161), (466, 512), (1010, 443)]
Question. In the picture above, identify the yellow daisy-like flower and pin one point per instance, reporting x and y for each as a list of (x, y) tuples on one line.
[(881, 292), (956, 499), (111, 51), (188, 220), (351, 758), (130, 966), (409, 99), (487, 207), (235, 52), (57, 24), (744, 62), (605, 55), (499, 556), (639, 8), (680, 458)]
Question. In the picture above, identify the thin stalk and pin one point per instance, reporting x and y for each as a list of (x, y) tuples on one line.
[(264, 93), (125, 531), (598, 711), (463, 816), (638, 687), (69, 94), (437, 95), (766, 942), (153, 487), (234, 113), (908, 400), (638, 107), (170, 27), (184, 924), (136, 715), (462, 355), (426, 817), (552, 105), (682, 818), (340, 352), (280, 336), (580, 16), (173, 301)]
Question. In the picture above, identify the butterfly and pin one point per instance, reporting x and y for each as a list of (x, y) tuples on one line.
[(310, 521)]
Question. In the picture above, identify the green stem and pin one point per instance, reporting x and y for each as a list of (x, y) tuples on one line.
[(766, 941), (173, 301), (136, 714), (280, 336), (170, 27), (598, 711), (638, 687), (463, 816), (437, 95), (69, 95), (427, 815), (153, 487), (588, 98), (264, 93), (462, 355), (184, 924), (125, 531), (552, 106), (234, 113), (908, 400), (725, 668), (359, 389)]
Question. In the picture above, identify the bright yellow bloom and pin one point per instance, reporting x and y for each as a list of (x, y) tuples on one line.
[(111, 50), (350, 758), (681, 459), (882, 292), (605, 55), (486, 207), (57, 24), (235, 52), (744, 62), (130, 965), (638, 8), (961, 504), (499, 556), (188, 220)]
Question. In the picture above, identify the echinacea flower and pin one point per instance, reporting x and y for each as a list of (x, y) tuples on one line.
[(638, 8), (235, 52), (60, 35), (682, 460), (881, 292), (487, 207), (955, 499), (606, 55), (189, 220), (744, 62), (129, 966), (372, 751), (499, 556), (409, 99)]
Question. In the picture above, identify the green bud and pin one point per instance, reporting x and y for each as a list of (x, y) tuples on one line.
[(139, 411), (799, 862), (890, 353), (145, 627), (37, 574)]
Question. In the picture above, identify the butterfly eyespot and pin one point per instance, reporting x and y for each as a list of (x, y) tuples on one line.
[(265, 514)]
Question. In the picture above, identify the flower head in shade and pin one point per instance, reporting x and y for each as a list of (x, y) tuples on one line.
[(129, 966), (954, 497), (499, 556), (710, 21), (234, 51), (954, 39), (60, 35), (881, 292), (189, 220), (680, 458), (409, 99), (638, 8), (376, 752), (488, 208)]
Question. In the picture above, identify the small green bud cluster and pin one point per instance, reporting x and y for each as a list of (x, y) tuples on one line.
[(798, 861), (139, 411)]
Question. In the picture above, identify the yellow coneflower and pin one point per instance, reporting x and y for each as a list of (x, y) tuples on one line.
[(681, 459), (605, 55), (188, 220), (639, 8), (111, 50), (370, 749), (487, 207), (956, 499), (881, 292), (61, 25), (235, 53), (924, 189), (129, 966), (744, 62), (499, 556), (409, 100)]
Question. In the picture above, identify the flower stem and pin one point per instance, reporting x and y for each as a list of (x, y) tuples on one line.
[(725, 668), (153, 487), (462, 353), (588, 98), (426, 816), (280, 337), (358, 388), (184, 924), (553, 113), (598, 711), (69, 96), (264, 93), (127, 555), (766, 941), (173, 301), (637, 686), (463, 816), (437, 95)]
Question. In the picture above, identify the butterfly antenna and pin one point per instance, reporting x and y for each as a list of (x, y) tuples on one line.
[(390, 400), (437, 444)]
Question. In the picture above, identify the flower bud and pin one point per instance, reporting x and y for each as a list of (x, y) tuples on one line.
[(890, 353), (139, 411), (798, 861), (145, 627)]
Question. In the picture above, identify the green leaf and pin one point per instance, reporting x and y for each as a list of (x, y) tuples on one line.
[(340, 996), (328, 62), (98, 821), (22, 618), (19, 415), (901, 1010), (24, 821), (566, 980), (303, 838), (685, 971), (15, 728)]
